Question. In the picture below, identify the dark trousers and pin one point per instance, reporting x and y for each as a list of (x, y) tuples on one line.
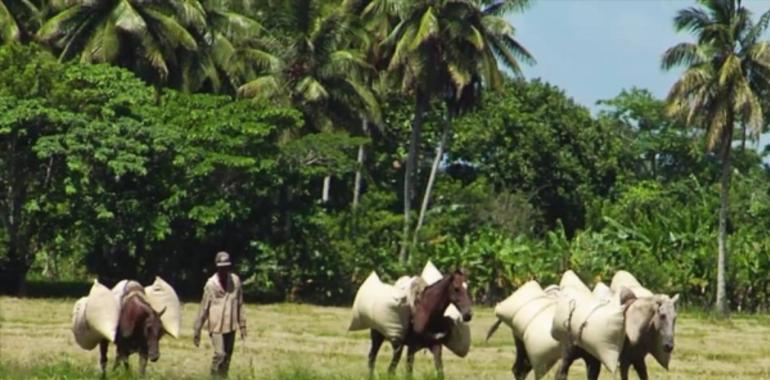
[(223, 351)]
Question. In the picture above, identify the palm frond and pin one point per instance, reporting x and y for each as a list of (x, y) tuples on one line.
[(174, 33), (682, 54), (730, 71), (264, 88), (427, 30), (692, 19), (9, 28), (311, 90)]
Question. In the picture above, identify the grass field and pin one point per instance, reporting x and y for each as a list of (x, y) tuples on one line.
[(302, 342)]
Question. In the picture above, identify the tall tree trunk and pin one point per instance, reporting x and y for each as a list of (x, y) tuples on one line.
[(724, 195), (743, 138), (359, 168), (447, 130), (327, 186), (13, 274), (411, 163)]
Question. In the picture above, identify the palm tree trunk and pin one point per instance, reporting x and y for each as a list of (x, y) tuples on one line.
[(411, 163), (433, 171), (743, 138), (724, 195), (327, 186), (359, 168)]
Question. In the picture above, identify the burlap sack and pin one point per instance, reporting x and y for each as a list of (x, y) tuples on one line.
[(162, 296), (571, 280), (84, 336), (381, 307), (459, 339), (119, 289), (95, 317), (625, 279), (596, 326), (431, 274), (507, 309), (102, 311), (542, 350), (603, 292)]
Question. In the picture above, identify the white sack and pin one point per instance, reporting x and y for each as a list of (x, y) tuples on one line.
[(596, 326), (543, 351), (85, 337), (571, 280), (381, 307), (509, 307), (529, 312), (102, 311), (603, 292), (119, 290), (459, 340), (431, 274), (161, 295), (625, 279)]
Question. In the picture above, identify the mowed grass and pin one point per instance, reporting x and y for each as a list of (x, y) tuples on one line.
[(304, 342)]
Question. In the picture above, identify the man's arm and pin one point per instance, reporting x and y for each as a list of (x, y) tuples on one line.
[(203, 314)]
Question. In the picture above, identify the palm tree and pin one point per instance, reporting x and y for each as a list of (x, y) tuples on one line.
[(725, 70), (226, 40), (142, 36), (318, 70), (17, 19), (481, 28), (437, 49)]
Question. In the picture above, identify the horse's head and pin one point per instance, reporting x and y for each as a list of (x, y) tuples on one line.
[(458, 295), (664, 320), (153, 331)]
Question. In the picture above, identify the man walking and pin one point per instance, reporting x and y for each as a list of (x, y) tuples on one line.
[(222, 308)]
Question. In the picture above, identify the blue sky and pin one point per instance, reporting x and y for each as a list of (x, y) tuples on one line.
[(595, 48)]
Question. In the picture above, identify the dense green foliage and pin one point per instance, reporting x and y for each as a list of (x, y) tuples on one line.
[(150, 162)]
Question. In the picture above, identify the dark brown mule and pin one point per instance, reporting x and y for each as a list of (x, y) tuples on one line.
[(139, 330), (428, 327)]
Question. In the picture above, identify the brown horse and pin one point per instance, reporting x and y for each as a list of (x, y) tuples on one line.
[(139, 330), (428, 326)]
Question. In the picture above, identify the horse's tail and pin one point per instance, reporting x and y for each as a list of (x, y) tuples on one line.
[(493, 329)]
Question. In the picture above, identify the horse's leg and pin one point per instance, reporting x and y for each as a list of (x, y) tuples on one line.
[(521, 366), (121, 356), (641, 369), (624, 366), (568, 355), (435, 349), (142, 362), (103, 346), (411, 350), (398, 348), (377, 340), (593, 366)]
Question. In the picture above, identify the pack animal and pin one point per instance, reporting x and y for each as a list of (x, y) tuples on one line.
[(650, 325), (139, 330), (428, 326)]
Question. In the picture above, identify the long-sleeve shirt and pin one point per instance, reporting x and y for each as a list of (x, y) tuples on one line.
[(221, 307)]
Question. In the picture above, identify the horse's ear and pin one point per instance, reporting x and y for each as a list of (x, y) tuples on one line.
[(626, 295), (675, 298)]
